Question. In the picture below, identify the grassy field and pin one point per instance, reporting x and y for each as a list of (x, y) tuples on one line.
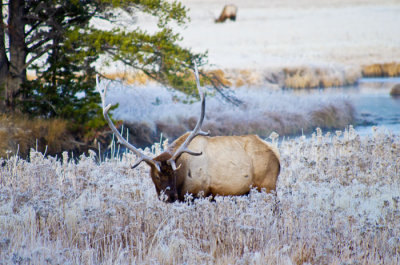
[(337, 202)]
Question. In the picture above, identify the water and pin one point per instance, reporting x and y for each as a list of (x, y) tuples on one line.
[(373, 104)]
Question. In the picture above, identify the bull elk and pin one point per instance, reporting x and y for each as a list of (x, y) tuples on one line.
[(196, 163)]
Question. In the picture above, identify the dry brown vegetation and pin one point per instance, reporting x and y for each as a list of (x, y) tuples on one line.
[(381, 70), (129, 77), (19, 134), (337, 202), (309, 77)]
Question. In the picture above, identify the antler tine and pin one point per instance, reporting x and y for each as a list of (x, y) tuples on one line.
[(197, 129), (121, 139)]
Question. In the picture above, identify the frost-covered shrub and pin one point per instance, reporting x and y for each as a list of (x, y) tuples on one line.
[(337, 202), (151, 110)]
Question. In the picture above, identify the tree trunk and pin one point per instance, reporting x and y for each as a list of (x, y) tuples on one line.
[(4, 64), (17, 68)]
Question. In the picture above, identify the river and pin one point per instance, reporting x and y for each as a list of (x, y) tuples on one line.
[(373, 104)]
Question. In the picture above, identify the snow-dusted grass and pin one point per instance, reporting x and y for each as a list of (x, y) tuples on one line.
[(289, 33), (262, 111), (337, 202)]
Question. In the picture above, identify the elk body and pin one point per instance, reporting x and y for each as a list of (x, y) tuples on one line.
[(229, 165), (229, 12), (196, 163)]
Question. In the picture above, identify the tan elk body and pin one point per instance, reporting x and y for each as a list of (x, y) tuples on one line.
[(196, 163), (229, 165)]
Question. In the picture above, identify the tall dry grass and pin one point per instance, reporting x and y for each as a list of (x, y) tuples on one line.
[(337, 202), (137, 78), (19, 134), (316, 77), (381, 70)]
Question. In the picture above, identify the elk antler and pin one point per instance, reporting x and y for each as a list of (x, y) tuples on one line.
[(121, 139), (197, 129)]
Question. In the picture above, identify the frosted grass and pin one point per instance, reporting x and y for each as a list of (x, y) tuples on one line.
[(152, 102), (337, 202), (263, 110)]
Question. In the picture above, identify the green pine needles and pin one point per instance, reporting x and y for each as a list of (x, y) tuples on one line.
[(62, 46)]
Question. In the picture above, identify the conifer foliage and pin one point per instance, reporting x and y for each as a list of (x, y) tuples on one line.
[(57, 39)]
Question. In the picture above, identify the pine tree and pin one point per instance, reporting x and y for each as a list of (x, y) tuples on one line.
[(57, 39)]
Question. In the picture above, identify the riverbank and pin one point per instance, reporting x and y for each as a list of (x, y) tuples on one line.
[(300, 77)]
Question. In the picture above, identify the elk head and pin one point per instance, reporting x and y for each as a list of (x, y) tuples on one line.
[(163, 167)]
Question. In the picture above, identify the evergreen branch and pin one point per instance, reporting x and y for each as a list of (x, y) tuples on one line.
[(38, 55)]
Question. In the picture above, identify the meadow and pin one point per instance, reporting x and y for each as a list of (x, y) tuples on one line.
[(337, 202)]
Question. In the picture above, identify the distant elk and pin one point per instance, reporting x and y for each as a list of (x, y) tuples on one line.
[(198, 164), (229, 12)]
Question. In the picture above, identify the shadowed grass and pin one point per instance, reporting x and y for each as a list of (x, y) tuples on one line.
[(19, 134), (331, 117), (327, 117)]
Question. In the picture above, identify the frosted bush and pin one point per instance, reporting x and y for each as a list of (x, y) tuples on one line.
[(337, 202), (262, 111)]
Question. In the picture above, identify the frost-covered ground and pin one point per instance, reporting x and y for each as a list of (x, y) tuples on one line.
[(337, 202), (287, 33), (291, 33)]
